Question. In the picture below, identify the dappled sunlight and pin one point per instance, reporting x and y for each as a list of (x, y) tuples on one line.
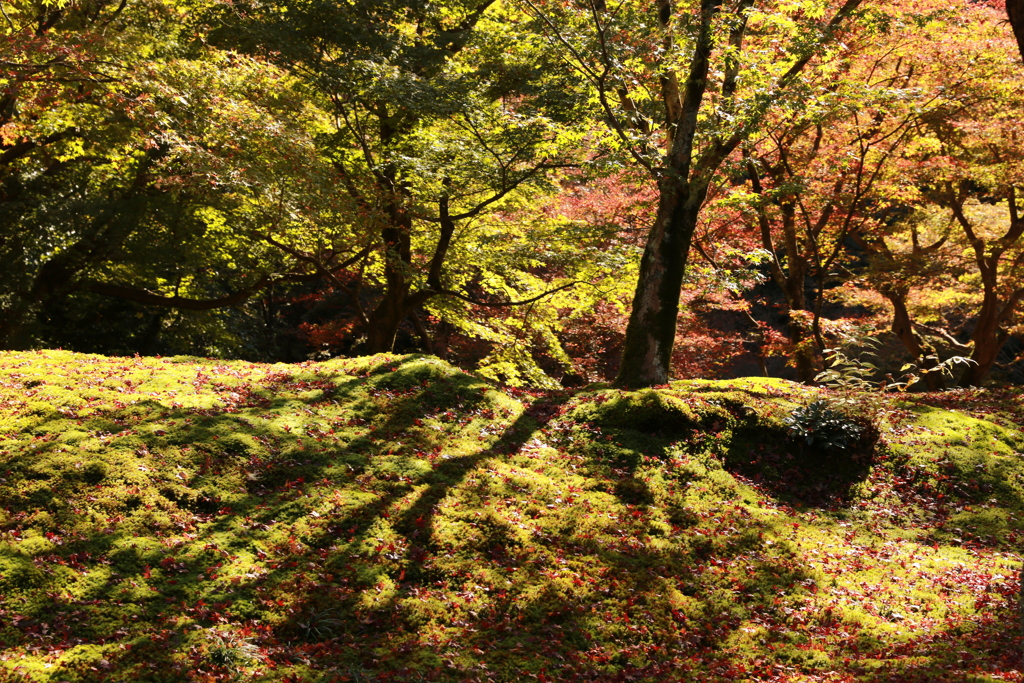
[(393, 518)]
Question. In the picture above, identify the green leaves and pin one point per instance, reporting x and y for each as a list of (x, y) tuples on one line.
[(135, 158), (819, 424)]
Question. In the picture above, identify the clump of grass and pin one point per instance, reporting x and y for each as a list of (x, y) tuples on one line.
[(320, 624), (229, 651)]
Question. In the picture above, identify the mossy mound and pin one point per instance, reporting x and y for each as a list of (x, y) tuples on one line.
[(393, 518), (742, 425)]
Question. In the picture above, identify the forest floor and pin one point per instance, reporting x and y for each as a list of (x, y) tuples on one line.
[(393, 518)]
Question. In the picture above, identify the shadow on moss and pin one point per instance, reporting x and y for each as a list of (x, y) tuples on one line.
[(741, 429)]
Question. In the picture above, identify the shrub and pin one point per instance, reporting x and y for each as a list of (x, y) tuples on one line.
[(819, 425)]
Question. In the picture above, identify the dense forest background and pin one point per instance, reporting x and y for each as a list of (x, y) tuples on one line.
[(479, 180)]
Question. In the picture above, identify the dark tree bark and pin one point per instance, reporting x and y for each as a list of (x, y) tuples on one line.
[(652, 322), (894, 275), (683, 183), (651, 331), (101, 237), (989, 337), (987, 351), (383, 321), (791, 279), (999, 299), (903, 328), (1015, 12)]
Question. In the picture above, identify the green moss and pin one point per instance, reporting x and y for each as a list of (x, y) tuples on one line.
[(402, 519)]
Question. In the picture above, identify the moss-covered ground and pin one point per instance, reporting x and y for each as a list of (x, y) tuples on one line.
[(393, 518)]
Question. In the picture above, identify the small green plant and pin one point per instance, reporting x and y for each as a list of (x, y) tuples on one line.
[(229, 651), (819, 425), (914, 374), (320, 625), (849, 368), (848, 371)]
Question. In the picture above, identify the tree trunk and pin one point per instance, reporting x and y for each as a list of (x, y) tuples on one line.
[(683, 184), (54, 279), (651, 332), (984, 357), (791, 279), (988, 342), (988, 335), (803, 355), (1015, 13), (383, 321), (903, 328), (11, 321), (382, 328)]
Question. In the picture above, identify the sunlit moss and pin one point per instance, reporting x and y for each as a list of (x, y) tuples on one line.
[(399, 517)]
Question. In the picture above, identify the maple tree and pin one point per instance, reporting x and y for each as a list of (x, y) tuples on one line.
[(248, 171), (961, 159), (381, 174), (442, 114), (133, 164), (838, 183), (682, 123), (831, 172)]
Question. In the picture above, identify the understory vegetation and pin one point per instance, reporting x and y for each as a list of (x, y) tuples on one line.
[(395, 518)]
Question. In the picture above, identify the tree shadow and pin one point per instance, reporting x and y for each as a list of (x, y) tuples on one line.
[(242, 476), (661, 601), (989, 646), (796, 474), (418, 541)]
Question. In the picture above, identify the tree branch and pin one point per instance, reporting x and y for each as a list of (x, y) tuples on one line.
[(501, 304), (148, 298)]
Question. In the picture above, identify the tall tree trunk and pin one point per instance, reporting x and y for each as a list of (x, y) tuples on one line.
[(650, 334), (651, 331), (383, 321), (11, 321), (988, 335), (54, 279), (399, 300), (382, 328), (803, 354), (683, 183), (1015, 13), (791, 280)]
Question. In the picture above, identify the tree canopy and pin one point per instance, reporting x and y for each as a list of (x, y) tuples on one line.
[(548, 193)]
